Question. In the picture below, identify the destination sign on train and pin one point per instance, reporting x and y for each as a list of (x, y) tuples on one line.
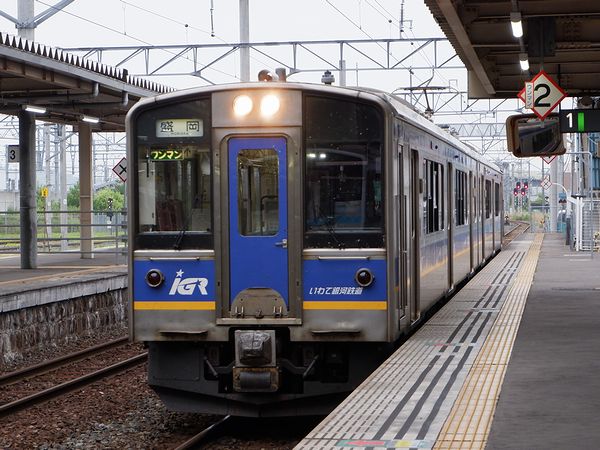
[(166, 154), (579, 120), (179, 128)]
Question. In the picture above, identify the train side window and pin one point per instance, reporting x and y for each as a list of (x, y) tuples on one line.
[(433, 196), (488, 199), (496, 199), (343, 182), (460, 198)]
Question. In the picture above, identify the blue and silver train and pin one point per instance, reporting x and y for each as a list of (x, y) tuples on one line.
[(284, 236)]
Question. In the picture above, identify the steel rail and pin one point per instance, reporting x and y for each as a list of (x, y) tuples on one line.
[(69, 386), (48, 366), (521, 228), (194, 441)]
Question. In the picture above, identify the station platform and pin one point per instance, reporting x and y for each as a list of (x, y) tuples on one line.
[(510, 362), (58, 277)]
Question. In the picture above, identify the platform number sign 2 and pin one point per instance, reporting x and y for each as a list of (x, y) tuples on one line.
[(547, 94)]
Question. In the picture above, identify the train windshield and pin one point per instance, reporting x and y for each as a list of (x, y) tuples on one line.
[(344, 179), (173, 177)]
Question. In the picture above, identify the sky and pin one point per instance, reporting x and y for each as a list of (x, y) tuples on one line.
[(89, 23), (152, 22), (85, 23)]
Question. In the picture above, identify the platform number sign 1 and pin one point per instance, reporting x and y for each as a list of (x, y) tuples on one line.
[(547, 94)]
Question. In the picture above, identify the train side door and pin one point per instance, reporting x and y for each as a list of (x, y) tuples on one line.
[(481, 213), (258, 255), (472, 240), (406, 187), (450, 221), (415, 256)]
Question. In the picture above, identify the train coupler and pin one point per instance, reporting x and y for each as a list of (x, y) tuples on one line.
[(255, 367), (255, 379)]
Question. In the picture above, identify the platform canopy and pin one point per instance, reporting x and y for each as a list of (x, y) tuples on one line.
[(560, 36), (67, 87)]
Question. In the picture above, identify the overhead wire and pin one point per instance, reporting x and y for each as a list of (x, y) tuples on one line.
[(170, 19), (372, 38), (426, 58), (125, 34), (210, 33)]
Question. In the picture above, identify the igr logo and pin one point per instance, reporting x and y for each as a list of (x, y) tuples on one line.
[(186, 286)]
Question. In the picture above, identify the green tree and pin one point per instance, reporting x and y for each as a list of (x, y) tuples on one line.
[(101, 199), (40, 202), (73, 197)]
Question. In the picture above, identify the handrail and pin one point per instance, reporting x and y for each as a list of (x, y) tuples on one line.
[(109, 232)]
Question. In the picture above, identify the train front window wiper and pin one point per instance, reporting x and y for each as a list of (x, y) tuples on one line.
[(329, 223), (177, 244)]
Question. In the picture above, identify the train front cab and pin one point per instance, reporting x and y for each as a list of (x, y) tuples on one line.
[(270, 266)]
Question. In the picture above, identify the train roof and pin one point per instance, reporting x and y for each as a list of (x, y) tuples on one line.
[(399, 106), (406, 110)]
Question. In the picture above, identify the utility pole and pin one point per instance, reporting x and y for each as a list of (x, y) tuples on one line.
[(26, 24), (62, 136), (244, 39), (554, 195), (26, 20)]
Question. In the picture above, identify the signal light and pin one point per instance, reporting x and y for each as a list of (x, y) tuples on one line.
[(515, 192), (518, 185), (526, 185), (523, 192)]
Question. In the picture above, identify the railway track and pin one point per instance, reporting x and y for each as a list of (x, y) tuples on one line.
[(209, 433), (37, 384), (256, 433), (521, 228)]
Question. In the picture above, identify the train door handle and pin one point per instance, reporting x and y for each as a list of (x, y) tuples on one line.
[(282, 243)]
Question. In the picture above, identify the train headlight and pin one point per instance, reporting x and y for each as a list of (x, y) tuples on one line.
[(242, 105), (269, 105), (364, 277), (154, 278)]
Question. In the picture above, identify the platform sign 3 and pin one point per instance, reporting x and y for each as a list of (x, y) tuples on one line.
[(547, 94), (12, 153)]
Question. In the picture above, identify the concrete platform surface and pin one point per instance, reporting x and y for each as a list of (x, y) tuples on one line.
[(550, 398)]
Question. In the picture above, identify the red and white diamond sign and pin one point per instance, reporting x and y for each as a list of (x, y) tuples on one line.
[(546, 183), (547, 94)]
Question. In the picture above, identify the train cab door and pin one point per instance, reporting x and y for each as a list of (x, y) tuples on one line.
[(258, 229)]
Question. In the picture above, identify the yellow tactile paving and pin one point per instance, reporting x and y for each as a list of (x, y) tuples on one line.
[(406, 401), (469, 422)]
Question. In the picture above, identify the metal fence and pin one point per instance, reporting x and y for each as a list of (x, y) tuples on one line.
[(61, 232)]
